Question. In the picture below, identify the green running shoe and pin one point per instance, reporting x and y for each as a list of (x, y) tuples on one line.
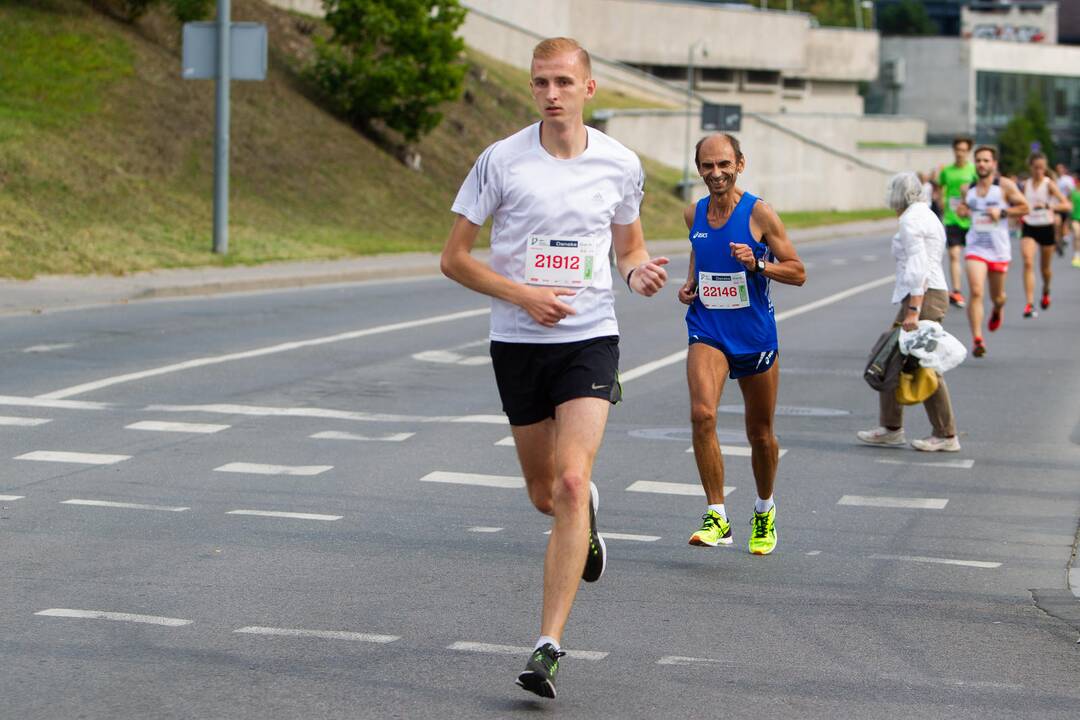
[(540, 671), (714, 531), (763, 532), (596, 560)]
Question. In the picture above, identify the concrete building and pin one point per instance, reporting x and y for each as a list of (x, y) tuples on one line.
[(974, 86)]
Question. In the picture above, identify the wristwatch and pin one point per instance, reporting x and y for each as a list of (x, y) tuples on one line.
[(759, 265)]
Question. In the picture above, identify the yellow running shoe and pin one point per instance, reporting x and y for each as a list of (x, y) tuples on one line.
[(714, 531), (763, 532)]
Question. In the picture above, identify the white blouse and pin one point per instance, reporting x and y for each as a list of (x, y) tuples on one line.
[(918, 247)]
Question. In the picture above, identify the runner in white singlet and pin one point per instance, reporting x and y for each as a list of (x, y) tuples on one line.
[(1045, 199), (989, 204)]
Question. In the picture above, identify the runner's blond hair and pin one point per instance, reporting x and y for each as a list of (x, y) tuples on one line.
[(553, 47)]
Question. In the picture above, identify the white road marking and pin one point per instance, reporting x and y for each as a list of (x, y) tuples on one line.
[(324, 634), (23, 421), (939, 561), (641, 370), (868, 258), (335, 435), (181, 427), (624, 536), (499, 481), (260, 469), (838, 261), (258, 352), (449, 357), (73, 457), (812, 553), (485, 529), (132, 506), (11, 498), (680, 660), (105, 615), (48, 348), (507, 441), (467, 646), (737, 450), (279, 514), (670, 488), (959, 464), (16, 401), (894, 502), (309, 412)]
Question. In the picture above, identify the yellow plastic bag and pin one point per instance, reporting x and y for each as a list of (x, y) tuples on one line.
[(916, 386)]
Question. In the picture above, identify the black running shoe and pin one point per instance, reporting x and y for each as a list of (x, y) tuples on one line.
[(540, 671), (596, 560)]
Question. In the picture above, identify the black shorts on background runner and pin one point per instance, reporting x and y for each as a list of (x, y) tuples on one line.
[(1042, 234), (955, 236), (534, 378)]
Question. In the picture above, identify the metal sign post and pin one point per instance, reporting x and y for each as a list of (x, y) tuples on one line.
[(223, 51)]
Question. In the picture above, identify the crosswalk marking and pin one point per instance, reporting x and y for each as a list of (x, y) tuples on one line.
[(336, 435), (281, 514), (468, 646), (107, 615), (260, 469), (737, 450), (681, 660), (73, 457), (130, 506), (324, 413), (966, 464), (940, 561), (11, 498), (17, 401), (22, 421), (499, 481), (624, 536), (507, 441), (670, 488), (181, 427), (485, 529), (323, 634), (894, 502)]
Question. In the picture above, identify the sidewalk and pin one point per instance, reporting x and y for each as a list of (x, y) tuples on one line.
[(60, 292)]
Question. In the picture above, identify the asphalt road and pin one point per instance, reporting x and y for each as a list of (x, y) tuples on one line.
[(404, 579)]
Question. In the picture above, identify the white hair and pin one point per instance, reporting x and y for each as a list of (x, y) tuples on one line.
[(904, 190)]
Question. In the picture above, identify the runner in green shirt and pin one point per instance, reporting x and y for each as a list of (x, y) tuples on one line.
[(954, 181)]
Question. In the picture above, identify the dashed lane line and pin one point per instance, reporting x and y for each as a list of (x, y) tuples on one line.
[(479, 647), (11, 498), (894, 502), (322, 634), (76, 458), (456, 478), (624, 536), (177, 427), (484, 529), (939, 561), (287, 515), (670, 488), (681, 660), (507, 441), (448, 356), (130, 506), (48, 347), (325, 413), (737, 451), (117, 616), (335, 435), (261, 469), (258, 352), (15, 401), (966, 464), (23, 421)]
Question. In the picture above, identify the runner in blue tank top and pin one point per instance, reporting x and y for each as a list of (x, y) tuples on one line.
[(739, 246)]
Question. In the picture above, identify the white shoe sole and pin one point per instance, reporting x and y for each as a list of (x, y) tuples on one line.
[(883, 443)]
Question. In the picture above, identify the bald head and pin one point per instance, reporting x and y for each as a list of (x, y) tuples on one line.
[(716, 143)]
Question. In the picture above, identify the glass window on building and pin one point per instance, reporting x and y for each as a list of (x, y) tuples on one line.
[(1001, 96)]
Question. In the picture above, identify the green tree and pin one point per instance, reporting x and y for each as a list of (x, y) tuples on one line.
[(906, 18), (392, 61), (1019, 136), (132, 10)]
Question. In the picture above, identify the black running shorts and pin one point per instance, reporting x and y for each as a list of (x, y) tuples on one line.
[(534, 378), (955, 236), (1042, 234)]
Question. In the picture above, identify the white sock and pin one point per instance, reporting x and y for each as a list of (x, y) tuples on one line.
[(544, 640), (764, 506), (719, 510)]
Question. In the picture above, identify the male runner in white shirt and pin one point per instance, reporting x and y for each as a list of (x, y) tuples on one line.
[(561, 196)]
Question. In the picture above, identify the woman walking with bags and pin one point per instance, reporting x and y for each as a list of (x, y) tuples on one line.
[(921, 291)]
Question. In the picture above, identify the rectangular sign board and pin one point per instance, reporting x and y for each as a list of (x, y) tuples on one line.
[(247, 51), (722, 118)]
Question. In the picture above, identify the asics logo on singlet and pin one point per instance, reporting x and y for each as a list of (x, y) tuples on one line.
[(699, 236)]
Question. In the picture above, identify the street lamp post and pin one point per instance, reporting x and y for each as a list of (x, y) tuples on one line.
[(689, 108)]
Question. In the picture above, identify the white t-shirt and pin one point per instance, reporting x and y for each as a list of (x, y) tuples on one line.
[(1066, 184), (529, 192)]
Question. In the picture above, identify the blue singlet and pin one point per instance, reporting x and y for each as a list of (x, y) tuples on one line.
[(740, 331)]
